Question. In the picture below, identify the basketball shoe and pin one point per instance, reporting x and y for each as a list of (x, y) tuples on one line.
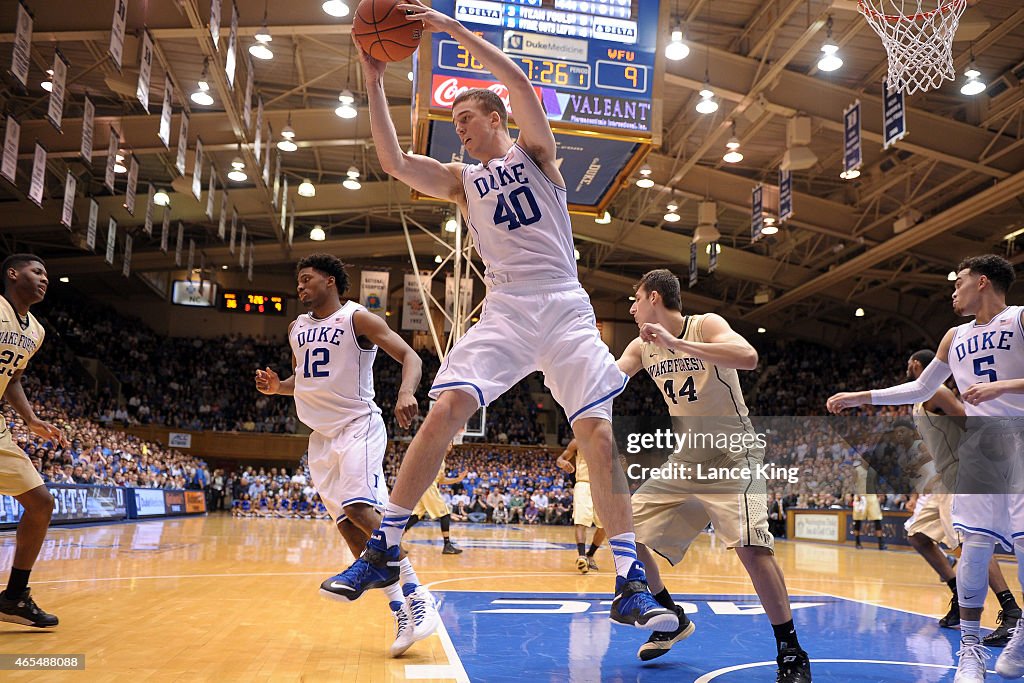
[(1011, 661), (403, 629), (794, 666), (661, 642), (952, 618), (24, 610), (1007, 625), (592, 564), (423, 609), (634, 605), (582, 565), (450, 549), (376, 567), (973, 656)]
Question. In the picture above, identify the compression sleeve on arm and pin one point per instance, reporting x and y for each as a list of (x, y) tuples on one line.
[(921, 389)]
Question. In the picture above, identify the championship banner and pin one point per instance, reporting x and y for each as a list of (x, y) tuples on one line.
[(88, 118), (148, 226), (191, 258), (35, 190), (117, 32), (165, 229), (223, 214), (197, 171), (894, 117), (12, 138), (90, 233), (258, 133), (55, 110), (756, 213), (465, 300), (215, 23), (133, 184), (145, 70), (247, 103), (232, 55), (414, 310), (291, 227), (164, 132), (373, 290), (693, 265), (126, 267), (20, 58), (852, 157), (67, 211), (252, 257), (785, 195), (112, 142), (180, 245), (179, 162), (277, 176), (234, 226), (266, 159), (713, 260), (111, 240), (284, 200), (241, 249), (210, 192)]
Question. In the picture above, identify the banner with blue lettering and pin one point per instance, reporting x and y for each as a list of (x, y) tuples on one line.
[(693, 265), (785, 195), (852, 157), (894, 123), (756, 213), (373, 291)]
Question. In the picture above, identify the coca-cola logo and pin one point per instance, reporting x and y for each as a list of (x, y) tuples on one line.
[(446, 90)]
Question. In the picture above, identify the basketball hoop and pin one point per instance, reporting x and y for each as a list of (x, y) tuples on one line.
[(919, 45)]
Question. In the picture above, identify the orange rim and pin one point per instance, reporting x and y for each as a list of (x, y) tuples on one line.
[(910, 17)]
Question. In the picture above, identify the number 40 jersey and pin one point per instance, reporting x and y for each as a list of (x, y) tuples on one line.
[(988, 353), (333, 374), (520, 220)]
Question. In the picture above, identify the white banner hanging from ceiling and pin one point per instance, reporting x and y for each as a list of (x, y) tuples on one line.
[(55, 109), (232, 55), (241, 249), (145, 70), (191, 257), (164, 132), (126, 266), (215, 23), (223, 214), (266, 158), (258, 133), (894, 123), (234, 227), (111, 239), (275, 196), (785, 195), (756, 213), (197, 170), (12, 138), (117, 32), (179, 162), (21, 56), (68, 209), (148, 225), (252, 257), (133, 184), (88, 118), (210, 192), (373, 290), (35, 190), (465, 300), (113, 140), (90, 233), (180, 244), (414, 310), (165, 229), (250, 74), (852, 152)]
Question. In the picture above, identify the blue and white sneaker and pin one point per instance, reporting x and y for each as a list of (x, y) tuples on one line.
[(376, 567), (633, 604), (423, 609), (403, 630)]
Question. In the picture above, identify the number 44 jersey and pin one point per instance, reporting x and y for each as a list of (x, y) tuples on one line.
[(520, 220), (333, 373), (989, 353)]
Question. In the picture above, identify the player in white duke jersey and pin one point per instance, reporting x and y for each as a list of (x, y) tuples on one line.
[(694, 361), (536, 315), (333, 349), (21, 335), (939, 420), (986, 358)]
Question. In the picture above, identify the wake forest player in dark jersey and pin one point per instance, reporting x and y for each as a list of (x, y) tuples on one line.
[(693, 359)]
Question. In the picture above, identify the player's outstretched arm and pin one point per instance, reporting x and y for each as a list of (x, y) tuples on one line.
[(535, 132), (423, 174), (723, 346), (377, 331)]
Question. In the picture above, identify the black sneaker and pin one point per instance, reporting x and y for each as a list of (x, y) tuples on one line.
[(450, 549), (794, 666), (952, 618), (24, 611), (859, 546), (661, 642), (1007, 623)]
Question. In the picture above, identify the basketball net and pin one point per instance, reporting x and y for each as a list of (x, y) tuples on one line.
[(919, 41)]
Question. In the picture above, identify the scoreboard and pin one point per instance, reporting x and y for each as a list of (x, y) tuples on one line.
[(595, 66)]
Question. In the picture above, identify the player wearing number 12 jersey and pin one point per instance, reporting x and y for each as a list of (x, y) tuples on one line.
[(536, 315), (333, 349)]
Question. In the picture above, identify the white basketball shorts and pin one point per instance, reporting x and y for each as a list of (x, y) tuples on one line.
[(349, 468), (532, 326)]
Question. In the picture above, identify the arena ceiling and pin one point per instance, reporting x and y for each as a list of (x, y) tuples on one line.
[(961, 168)]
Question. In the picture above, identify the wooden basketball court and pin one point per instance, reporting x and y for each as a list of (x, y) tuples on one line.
[(216, 598)]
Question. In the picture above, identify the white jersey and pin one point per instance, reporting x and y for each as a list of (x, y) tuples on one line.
[(987, 353), (333, 374), (520, 220)]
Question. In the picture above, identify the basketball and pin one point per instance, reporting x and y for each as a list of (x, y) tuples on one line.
[(383, 32)]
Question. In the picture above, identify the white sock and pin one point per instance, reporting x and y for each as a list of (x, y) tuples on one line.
[(393, 524), (394, 593), (407, 573), (970, 628), (624, 551)]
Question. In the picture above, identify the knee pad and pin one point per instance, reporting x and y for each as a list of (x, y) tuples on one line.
[(972, 570)]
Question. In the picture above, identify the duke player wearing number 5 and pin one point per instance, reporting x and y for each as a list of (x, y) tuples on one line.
[(21, 335), (536, 315), (986, 358), (333, 348)]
